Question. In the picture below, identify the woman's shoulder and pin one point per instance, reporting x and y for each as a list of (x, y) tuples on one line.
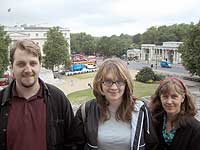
[(91, 105), (91, 102), (190, 123), (140, 104), (195, 124)]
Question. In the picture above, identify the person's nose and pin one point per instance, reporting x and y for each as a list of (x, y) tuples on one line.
[(169, 100), (114, 86), (27, 68)]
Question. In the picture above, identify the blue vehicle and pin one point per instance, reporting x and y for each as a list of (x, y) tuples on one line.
[(77, 67), (165, 64)]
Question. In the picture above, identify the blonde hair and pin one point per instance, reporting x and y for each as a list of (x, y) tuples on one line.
[(120, 71)]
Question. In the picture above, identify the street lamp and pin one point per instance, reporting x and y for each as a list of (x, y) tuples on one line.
[(156, 59)]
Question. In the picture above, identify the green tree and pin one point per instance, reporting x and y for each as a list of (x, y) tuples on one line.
[(190, 50), (158, 35), (114, 45), (82, 43), (4, 42), (150, 36), (103, 46), (55, 49), (136, 39)]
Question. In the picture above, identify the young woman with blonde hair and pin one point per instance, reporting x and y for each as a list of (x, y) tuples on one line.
[(115, 119)]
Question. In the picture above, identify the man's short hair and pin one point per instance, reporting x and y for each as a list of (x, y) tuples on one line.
[(28, 46)]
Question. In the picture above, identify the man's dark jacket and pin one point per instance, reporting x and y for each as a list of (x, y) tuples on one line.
[(59, 116)]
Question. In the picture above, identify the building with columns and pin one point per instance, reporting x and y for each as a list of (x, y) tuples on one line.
[(155, 53), (35, 33)]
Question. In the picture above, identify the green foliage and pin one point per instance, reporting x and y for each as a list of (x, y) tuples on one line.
[(83, 43), (145, 75), (157, 35), (150, 36), (55, 49), (4, 42), (118, 45), (159, 77), (190, 50), (114, 45)]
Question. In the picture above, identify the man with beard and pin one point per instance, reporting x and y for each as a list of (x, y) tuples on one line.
[(33, 115)]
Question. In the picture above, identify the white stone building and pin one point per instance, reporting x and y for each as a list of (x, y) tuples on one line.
[(155, 53), (35, 33), (134, 54)]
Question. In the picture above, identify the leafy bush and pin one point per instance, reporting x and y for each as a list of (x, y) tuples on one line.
[(159, 77), (145, 75)]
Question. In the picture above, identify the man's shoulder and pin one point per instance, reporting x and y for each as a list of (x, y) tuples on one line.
[(54, 91), (51, 86), (5, 90)]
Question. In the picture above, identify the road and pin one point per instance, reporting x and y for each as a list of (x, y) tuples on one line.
[(176, 68)]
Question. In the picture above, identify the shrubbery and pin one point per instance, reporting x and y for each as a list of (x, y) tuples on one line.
[(147, 75), (159, 77)]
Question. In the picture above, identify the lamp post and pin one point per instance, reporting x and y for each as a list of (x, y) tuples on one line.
[(156, 59)]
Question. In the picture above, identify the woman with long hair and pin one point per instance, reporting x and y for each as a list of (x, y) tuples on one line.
[(174, 112), (114, 119)]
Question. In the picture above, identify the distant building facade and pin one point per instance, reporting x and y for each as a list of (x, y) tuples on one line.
[(37, 34), (156, 53), (134, 54)]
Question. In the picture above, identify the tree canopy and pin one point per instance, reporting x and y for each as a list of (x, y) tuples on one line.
[(55, 49), (118, 45), (4, 42), (114, 45), (190, 50), (82, 43), (158, 35)]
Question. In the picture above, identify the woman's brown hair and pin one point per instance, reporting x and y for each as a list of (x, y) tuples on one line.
[(187, 109)]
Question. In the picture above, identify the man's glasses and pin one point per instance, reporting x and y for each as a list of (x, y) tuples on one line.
[(109, 83)]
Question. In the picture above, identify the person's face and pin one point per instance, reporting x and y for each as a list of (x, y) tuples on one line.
[(113, 90), (26, 68), (171, 103)]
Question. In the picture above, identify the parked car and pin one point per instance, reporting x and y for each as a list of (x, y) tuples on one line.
[(165, 64), (91, 66), (77, 67), (4, 81)]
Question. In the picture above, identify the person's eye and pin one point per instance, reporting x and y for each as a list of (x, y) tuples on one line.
[(119, 82), (174, 96), (108, 81), (20, 64), (33, 63), (164, 97)]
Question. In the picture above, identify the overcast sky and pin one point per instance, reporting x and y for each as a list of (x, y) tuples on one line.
[(100, 17)]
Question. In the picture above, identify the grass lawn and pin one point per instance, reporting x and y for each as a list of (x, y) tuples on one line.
[(85, 75), (139, 90)]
